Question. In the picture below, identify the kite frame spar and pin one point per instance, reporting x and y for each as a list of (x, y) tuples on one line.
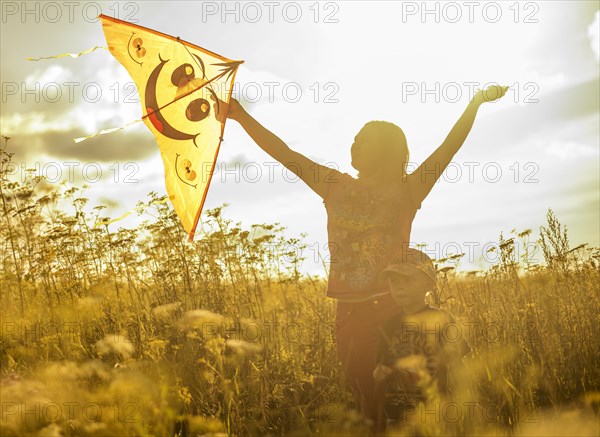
[(230, 69)]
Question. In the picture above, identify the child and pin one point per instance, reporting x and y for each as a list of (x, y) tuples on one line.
[(369, 219), (418, 345)]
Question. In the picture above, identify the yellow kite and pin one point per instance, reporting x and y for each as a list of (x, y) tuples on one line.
[(177, 84)]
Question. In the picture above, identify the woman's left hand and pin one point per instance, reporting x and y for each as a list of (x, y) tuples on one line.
[(490, 94)]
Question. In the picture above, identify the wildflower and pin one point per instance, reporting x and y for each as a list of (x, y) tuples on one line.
[(164, 312), (115, 343), (242, 347), (199, 318)]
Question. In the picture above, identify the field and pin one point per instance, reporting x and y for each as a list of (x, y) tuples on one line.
[(136, 332)]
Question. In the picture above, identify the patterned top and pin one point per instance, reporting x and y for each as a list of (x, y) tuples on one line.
[(366, 226)]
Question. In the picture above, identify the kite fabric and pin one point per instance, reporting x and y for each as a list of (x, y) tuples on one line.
[(178, 85)]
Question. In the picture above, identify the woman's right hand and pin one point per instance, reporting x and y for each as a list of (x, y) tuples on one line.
[(223, 111)]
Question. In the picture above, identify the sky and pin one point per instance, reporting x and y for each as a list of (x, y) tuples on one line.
[(314, 74)]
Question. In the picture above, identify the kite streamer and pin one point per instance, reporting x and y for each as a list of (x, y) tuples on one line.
[(64, 55), (139, 209), (106, 131)]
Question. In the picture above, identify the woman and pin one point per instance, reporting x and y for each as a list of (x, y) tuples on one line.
[(369, 223)]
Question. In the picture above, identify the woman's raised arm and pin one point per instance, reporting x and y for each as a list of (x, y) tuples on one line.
[(316, 176), (432, 168)]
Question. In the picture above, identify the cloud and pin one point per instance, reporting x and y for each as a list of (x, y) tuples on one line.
[(546, 118), (569, 149), (52, 74), (61, 98), (32, 123), (593, 32), (239, 159), (258, 86), (118, 146)]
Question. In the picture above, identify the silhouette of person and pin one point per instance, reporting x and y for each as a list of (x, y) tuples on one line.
[(369, 220), (419, 348)]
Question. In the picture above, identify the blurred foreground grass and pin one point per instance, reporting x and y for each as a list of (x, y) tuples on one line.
[(136, 332)]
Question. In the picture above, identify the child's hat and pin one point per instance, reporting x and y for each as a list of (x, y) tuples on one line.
[(411, 262)]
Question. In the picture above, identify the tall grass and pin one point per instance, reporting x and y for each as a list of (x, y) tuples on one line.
[(136, 332)]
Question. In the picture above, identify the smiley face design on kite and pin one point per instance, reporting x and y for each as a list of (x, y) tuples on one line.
[(185, 80), (184, 167), (136, 44)]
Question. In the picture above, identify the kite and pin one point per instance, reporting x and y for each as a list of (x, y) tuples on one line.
[(177, 84)]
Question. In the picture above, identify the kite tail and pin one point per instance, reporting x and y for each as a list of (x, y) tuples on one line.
[(138, 209), (72, 55), (106, 131)]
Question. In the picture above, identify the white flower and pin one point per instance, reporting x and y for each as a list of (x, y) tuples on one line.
[(243, 347), (198, 319), (164, 312), (115, 343)]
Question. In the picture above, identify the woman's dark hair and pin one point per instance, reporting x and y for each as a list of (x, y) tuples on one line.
[(390, 146)]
